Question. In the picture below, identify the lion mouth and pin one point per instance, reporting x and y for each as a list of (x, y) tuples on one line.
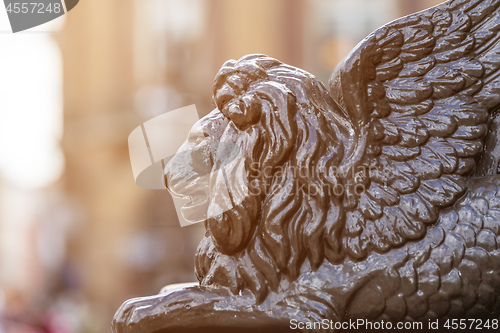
[(196, 199), (191, 207), (191, 194), (195, 210), (199, 161)]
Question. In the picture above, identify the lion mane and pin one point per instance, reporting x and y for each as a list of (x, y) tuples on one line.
[(289, 138)]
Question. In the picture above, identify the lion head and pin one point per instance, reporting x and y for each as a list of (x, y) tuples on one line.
[(289, 133)]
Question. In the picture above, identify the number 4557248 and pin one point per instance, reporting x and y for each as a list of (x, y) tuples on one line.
[(471, 324), (33, 8)]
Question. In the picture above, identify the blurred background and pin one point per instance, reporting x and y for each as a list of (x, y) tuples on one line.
[(77, 236)]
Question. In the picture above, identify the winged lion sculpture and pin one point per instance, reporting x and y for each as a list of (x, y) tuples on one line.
[(397, 216)]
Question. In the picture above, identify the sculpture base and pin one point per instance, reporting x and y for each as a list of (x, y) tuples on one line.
[(188, 307), (229, 329)]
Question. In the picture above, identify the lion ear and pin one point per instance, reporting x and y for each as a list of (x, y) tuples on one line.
[(247, 113), (252, 109)]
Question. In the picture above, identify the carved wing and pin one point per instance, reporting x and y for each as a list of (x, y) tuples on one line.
[(418, 92)]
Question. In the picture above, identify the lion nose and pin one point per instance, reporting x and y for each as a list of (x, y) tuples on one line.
[(224, 95)]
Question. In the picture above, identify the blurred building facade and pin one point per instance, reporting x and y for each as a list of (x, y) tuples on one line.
[(126, 61)]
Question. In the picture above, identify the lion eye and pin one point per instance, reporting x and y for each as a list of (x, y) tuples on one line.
[(199, 140), (197, 137)]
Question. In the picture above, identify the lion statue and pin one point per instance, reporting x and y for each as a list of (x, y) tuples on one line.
[(376, 199)]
